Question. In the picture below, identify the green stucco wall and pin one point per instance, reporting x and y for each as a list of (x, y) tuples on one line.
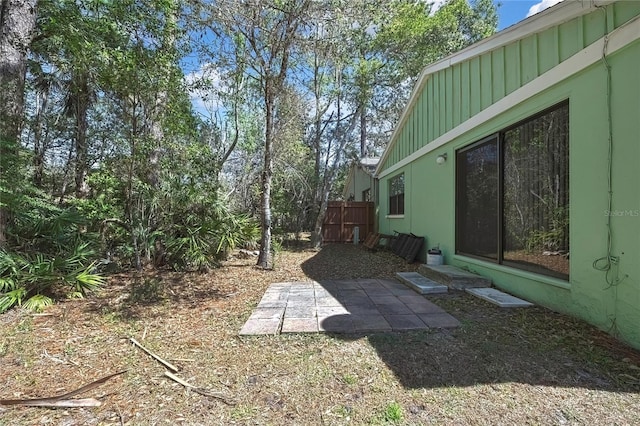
[(430, 191)]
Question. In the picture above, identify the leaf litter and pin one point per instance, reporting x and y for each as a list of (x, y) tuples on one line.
[(500, 367)]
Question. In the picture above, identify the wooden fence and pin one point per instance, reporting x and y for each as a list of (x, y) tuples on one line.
[(343, 216)]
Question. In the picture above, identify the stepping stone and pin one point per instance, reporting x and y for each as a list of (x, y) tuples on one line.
[(453, 277), (499, 298), (421, 284)]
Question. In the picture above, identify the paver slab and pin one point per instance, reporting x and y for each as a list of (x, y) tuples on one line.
[(370, 323), (394, 309), (336, 324), (300, 312), (425, 308), (363, 309), (381, 300), (328, 311), (352, 293), (299, 325), (405, 322), (439, 320), (328, 301), (345, 306), (267, 313), (274, 304), (260, 326)]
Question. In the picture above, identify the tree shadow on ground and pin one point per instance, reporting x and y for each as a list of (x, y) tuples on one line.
[(531, 346), (158, 287)]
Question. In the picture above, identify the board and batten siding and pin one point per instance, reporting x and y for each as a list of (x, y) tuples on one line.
[(456, 93)]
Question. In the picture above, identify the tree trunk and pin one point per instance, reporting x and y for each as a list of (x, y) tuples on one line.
[(39, 145), (265, 259), (159, 110), (316, 235), (363, 132), (17, 21), (82, 103)]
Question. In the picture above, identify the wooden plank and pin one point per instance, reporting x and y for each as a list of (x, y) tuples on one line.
[(372, 241)]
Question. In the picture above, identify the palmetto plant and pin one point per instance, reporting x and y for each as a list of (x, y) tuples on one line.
[(26, 280), (203, 231), (50, 254)]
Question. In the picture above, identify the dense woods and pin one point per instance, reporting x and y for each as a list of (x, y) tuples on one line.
[(161, 133)]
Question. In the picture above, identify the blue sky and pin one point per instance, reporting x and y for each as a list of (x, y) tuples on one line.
[(510, 12), (513, 11)]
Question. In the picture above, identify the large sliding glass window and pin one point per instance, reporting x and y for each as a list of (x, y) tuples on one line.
[(512, 193), (477, 206)]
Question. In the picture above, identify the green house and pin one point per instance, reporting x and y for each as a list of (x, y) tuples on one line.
[(519, 156), (361, 184)]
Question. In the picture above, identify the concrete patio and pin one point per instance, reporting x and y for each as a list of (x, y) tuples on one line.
[(349, 306)]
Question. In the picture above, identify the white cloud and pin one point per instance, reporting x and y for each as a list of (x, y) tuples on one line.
[(539, 7), (203, 84), (435, 5)]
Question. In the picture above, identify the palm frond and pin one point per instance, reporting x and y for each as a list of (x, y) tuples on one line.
[(12, 298), (37, 303), (88, 280)]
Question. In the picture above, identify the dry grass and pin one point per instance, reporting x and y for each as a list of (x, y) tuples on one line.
[(501, 367)]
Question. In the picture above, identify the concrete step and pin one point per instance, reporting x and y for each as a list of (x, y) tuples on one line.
[(499, 298), (453, 277), (421, 284)]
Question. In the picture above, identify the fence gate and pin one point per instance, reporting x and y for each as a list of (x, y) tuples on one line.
[(343, 216)]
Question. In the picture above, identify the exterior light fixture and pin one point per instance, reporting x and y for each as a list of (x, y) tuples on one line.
[(441, 158)]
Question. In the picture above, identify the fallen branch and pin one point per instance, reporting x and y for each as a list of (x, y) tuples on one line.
[(55, 359), (204, 392), (63, 403), (63, 400), (154, 356)]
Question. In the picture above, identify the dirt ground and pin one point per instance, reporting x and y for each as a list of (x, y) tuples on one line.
[(526, 366)]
